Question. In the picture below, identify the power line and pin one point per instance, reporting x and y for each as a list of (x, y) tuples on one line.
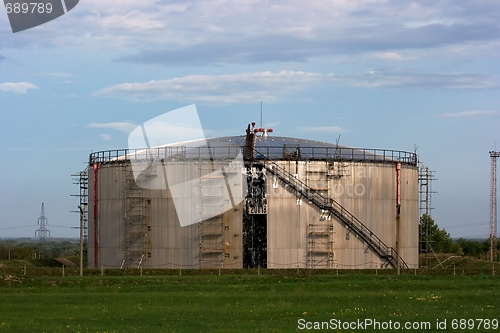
[(466, 225), (461, 203), (23, 226), (60, 226)]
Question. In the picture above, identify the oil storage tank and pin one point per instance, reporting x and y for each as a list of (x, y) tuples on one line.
[(254, 200)]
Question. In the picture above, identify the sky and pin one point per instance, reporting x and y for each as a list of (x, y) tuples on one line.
[(393, 74)]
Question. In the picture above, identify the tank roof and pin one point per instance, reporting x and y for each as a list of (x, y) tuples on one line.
[(265, 147)]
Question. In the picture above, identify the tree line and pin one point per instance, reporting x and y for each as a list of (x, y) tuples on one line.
[(432, 238), (28, 249)]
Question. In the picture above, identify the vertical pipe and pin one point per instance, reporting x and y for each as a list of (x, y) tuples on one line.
[(398, 214), (95, 215)]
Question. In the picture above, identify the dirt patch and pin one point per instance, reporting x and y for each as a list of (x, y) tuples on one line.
[(2, 265), (11, 278)]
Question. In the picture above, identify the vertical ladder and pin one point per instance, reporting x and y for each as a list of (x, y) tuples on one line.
[(211, 227), (135, 223)]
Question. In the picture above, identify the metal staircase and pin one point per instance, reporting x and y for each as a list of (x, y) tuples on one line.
[(384, 252)]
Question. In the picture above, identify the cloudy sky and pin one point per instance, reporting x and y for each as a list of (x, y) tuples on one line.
[(391, 74)]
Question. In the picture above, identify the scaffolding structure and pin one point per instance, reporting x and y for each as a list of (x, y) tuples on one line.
[(425, 178), (135, 223), (211, 227), (320, 245), (316, 178), (338, 169), (493, 206), (82, 180)]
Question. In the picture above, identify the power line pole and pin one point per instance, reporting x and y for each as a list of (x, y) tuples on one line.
[(42, 232), (82, 181), (425, 178), (493, 205)]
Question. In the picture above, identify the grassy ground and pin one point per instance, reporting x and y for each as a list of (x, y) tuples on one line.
[(274, 301)]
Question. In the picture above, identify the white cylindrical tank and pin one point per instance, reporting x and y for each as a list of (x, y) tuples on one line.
[(279, 225)]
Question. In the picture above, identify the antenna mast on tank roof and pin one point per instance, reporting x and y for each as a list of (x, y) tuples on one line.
[(261, 126)]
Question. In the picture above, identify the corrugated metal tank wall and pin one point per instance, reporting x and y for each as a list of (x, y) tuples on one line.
[(159, 235), (298, 235), (367, 190)]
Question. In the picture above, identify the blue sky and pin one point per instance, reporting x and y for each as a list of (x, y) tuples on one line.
[(381, 74)]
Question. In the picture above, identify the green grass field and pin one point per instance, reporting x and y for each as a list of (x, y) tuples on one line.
[(274, 301)]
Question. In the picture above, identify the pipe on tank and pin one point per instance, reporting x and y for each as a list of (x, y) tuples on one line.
[(95, 215), (398, 214)]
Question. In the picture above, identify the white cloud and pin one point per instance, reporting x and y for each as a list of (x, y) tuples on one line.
[(105, 137), (469, 114), (257, 31), (273, 87), (323, 129), (218, 90), (391, 56), (57, 74), (402, 78), (274, 124), (125, 127), (418, 24), (17, 87)]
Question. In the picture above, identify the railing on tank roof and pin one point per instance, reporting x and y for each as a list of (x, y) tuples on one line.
[(169, 153), (337, 154), (273, 153)]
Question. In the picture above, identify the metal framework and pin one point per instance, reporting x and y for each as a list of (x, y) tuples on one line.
[(42, 232), (493, 205), (82, 180), (425, 178), (320, 244)]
